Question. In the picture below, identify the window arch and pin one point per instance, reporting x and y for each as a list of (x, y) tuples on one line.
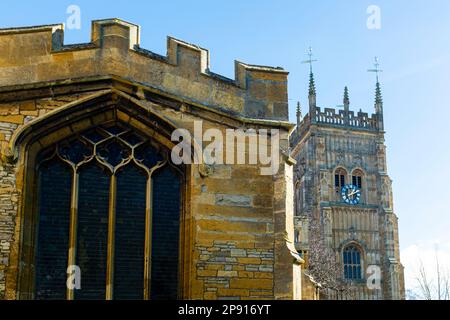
[(109, 202), (353, 262), (340, 179)]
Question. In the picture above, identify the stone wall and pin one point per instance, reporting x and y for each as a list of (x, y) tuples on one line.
[(13, 116)]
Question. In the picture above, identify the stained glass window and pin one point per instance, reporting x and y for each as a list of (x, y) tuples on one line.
[(352, 263), (112, 196)]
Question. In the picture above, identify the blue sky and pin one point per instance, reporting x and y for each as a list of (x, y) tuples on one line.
[(414, 49)]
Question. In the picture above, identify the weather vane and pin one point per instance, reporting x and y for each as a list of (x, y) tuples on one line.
[(377, 68), (310, 60)]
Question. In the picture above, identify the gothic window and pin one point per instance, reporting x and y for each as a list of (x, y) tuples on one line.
[(297, 236), (352, 258), (109, 202), (300, 192), (340, 177), (357, 177)]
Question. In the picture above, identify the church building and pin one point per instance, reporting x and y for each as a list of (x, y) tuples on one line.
[(92, 203), (95, 206)]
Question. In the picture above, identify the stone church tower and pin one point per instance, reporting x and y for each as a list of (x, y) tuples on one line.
[(341, 181)]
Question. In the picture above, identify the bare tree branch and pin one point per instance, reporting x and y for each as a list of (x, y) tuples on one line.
[(323, 266), (424, 283), (432, 288), (438, 272)]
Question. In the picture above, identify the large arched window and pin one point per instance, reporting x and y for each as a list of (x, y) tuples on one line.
[(352, 258), (109, 202)]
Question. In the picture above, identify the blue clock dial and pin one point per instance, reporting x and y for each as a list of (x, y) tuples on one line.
[(351, 194)]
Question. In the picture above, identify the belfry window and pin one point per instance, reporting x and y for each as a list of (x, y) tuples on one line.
[(357, 178), (109, 202), (339, 179), (352, 263)]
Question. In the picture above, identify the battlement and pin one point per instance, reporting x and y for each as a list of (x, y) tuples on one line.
[(330, 117), (38, 55)]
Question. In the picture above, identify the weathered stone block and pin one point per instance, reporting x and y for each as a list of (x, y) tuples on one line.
[(233, 200), (251, 283)]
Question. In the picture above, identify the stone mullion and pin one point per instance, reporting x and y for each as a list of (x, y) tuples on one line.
[(148, 240), (148, 229), (111, 236), (73, 228)]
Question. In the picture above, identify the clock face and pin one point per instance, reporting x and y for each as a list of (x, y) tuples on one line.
[(351, 194)]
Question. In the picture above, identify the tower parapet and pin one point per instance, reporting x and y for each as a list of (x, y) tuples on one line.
[(341, 118)]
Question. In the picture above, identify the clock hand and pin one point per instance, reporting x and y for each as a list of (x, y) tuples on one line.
[(354, 192)]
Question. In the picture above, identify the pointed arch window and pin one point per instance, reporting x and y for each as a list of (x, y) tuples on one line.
[(109, 202), (357, 178), (352, 258), (340, 179)]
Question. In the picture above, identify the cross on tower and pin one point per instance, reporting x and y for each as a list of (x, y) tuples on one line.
[(377, 68), (310, 60)]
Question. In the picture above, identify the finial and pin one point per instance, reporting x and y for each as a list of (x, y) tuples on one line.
[(379, 107), (299, 113), (312, 85), (346, 97), (376, 69), (310, 60), (378, 95)]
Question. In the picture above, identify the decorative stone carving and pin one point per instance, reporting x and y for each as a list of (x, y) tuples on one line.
[(7, 156), (340, 158), (357, 161), (352, 233)]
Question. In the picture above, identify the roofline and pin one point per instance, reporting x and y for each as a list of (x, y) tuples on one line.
[(234, 116)]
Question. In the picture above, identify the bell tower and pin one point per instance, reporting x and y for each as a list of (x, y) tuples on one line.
[(343, 200)]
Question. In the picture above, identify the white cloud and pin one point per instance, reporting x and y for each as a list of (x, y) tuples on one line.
[(426, 253)]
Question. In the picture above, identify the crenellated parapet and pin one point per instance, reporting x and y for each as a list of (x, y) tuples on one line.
[(36, 55), (336, 118), (342, 118), (345, 118)]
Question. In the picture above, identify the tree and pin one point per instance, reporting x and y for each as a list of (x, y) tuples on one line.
[(429, 287), (324, 268)]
